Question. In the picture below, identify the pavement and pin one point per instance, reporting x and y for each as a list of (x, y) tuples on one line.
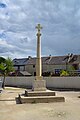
[(68, 110)]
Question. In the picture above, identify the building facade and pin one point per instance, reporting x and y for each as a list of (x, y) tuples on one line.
[(51, 64)]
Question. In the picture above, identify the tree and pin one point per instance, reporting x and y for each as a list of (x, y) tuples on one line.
[(2, 60), (6, 66)]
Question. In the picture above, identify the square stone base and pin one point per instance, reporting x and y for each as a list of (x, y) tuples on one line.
[(39, 85), (40, 99)]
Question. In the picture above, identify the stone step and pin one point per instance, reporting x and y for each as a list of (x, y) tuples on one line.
[(40, 99), (39, 93)]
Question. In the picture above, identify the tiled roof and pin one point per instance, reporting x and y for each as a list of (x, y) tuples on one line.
[(56, 60), (22, 61), (32, 61)]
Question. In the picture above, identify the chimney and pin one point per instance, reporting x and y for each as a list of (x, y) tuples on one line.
[(29, 57), (70, 57)]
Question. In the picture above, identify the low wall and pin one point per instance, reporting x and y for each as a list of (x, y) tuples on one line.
[(19, 81), (63, 82), (55, 82)]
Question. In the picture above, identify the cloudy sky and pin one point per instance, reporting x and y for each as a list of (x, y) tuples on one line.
[(61, 27)]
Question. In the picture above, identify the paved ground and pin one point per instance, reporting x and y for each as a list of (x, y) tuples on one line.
[(68, 110)]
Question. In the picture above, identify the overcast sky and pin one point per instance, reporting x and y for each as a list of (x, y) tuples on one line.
[(61, 27)]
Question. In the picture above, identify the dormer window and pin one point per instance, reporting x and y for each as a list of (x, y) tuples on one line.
[(16, 61)]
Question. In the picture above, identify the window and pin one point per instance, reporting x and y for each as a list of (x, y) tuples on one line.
[(33, 66)]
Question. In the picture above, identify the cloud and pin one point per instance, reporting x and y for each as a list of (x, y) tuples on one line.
[(2, 5), (61, 27)]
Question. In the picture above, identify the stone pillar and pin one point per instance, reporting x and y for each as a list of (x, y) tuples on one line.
[(39, 84), (38, 58)]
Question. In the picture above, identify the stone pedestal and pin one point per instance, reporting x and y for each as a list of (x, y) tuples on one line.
[(39, 85)]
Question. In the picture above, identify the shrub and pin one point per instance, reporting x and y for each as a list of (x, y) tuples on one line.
[(64, 73)]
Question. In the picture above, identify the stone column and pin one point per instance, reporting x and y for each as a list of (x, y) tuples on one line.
[(38, 58), (39, 84)]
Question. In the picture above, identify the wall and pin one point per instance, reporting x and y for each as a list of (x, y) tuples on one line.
[(45, 68), (52, 68), (30, 69), (63, 82), (19, 81), (56, 82)]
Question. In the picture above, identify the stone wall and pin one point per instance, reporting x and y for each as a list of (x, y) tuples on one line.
[(45, 68), (55, 82), (63, 82)]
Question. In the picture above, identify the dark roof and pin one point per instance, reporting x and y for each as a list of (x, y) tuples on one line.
[(56, 60), (31, 61), (22, 61)]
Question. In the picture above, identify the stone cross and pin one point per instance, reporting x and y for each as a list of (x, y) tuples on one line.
[(39, 84), (38, 59), (39, 27)]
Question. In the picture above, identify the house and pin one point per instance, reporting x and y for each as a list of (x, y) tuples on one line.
[(19, 64), (50, 64)]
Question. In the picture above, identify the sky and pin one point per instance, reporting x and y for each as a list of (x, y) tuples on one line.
[(60, 20)]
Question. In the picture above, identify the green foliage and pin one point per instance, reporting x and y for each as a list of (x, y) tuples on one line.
[(2, 67), (71, 68), (9, 65), (64, 73), (6, 66), (2, 60)]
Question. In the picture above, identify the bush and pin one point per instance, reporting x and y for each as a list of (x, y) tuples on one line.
[(64, 73)]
